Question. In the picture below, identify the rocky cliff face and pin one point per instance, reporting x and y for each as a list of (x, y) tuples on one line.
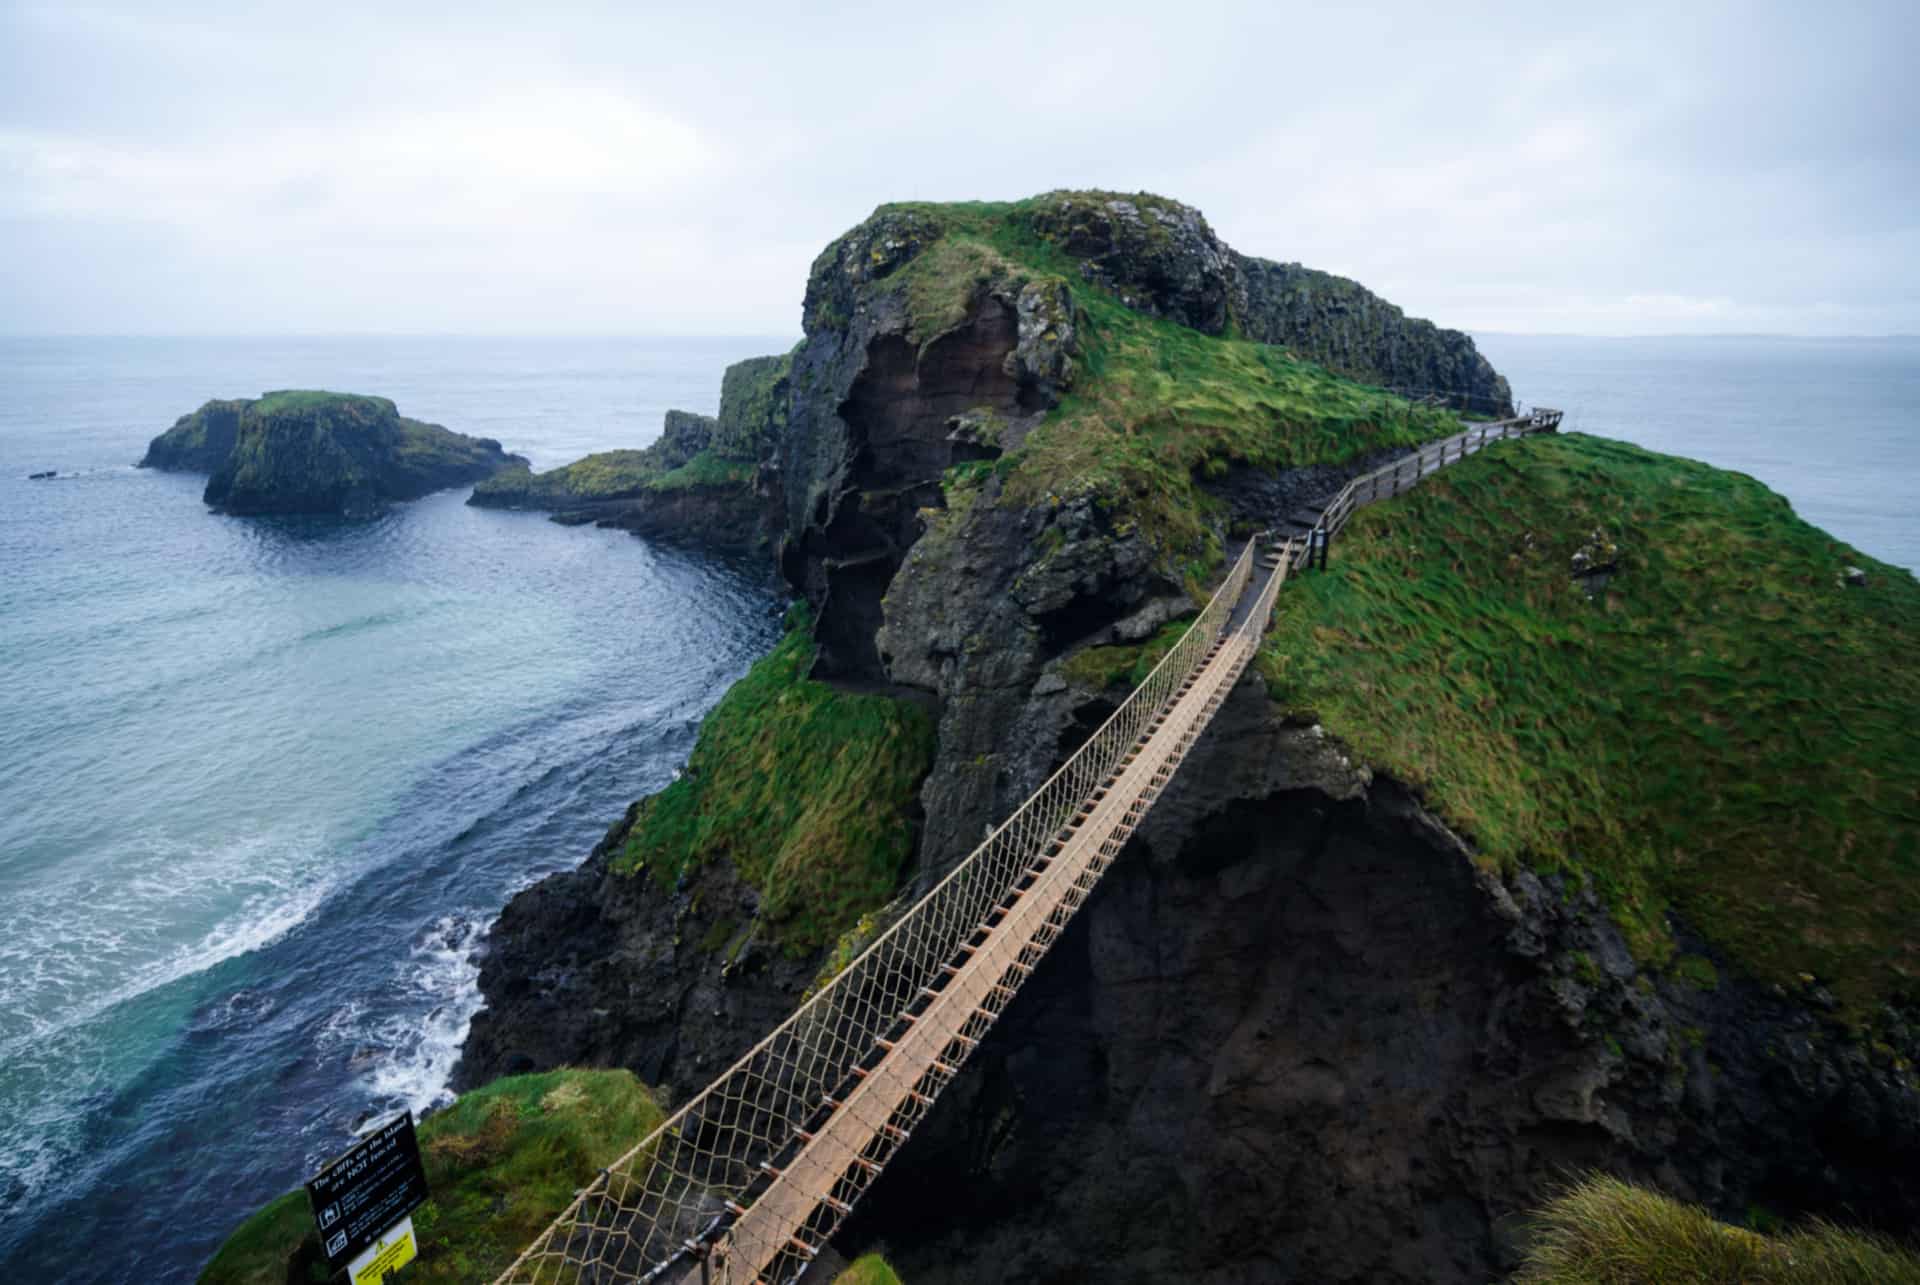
[(1300, 1033), (1163, 257), (1341, 324), (313, 452)]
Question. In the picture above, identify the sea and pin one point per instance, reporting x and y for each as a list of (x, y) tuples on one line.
[(265, 782)]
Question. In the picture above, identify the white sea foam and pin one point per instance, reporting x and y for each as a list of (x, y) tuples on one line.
[(417, 1049)]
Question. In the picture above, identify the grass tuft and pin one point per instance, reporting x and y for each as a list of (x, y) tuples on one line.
[(1603, 1231), (1123, 665)]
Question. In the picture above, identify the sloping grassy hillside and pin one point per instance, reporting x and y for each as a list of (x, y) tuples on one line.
[(501, 1162), (1154, 405), (1607, 1232), (809, 791), (1727, 731)]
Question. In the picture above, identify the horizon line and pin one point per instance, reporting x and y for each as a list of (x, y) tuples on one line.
[(1908, 335)]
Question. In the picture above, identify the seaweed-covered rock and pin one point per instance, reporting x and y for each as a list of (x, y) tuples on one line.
[(319, 452)]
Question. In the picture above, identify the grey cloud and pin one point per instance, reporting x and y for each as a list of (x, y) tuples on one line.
[(1637, 168)]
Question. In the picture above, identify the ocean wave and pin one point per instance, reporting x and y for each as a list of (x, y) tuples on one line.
[(417, 1049), (61, 942)]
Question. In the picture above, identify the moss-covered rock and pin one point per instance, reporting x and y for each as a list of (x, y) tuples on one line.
[(300, 451), (699, 483), (754, 396), (501, 1162), (199, 442), (602, 476)]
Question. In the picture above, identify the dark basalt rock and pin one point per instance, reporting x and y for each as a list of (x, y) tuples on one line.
[(1298, 1035), (1346, 327), (1162, 258), (312, 452), (880, 412), (589, 969), (1159, 256)]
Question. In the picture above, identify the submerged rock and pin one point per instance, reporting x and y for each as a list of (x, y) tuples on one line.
[(318, 452)]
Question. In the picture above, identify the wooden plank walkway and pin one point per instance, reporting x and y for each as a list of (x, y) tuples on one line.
[(768, 1242)]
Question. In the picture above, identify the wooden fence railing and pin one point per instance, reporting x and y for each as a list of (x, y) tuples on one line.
[(1386, 482)]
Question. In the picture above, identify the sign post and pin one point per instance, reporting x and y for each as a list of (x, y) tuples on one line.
[(362, 1200)]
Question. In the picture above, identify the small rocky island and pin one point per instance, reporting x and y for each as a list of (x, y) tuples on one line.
[(296, 451)]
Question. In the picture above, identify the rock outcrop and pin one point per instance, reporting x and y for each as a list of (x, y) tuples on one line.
[(1162, 257), (318, 452), (702, 482), (1343, 325)]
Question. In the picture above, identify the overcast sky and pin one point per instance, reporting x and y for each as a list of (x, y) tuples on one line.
[(651, 169)]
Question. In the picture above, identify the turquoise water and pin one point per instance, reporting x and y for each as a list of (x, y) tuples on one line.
[(263, 782)]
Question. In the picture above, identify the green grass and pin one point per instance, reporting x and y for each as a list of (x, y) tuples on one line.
[(1155, 405), (1728, 731), (1606, 1232), (1160, 406), (708, 468), (605, 475), (868, 1269), (501, 1162), (808, 791), (300, 399), (1123, 665)]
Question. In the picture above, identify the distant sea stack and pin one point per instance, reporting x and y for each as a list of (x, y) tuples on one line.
[(297, 451)]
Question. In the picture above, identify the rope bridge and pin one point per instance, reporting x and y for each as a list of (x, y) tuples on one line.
[(748, 1180)]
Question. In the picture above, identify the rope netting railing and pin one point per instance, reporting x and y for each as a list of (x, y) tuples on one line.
[(658, 1212)]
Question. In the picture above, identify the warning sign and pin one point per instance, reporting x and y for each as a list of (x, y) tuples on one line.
[(364, 1193), (390, 1253)]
